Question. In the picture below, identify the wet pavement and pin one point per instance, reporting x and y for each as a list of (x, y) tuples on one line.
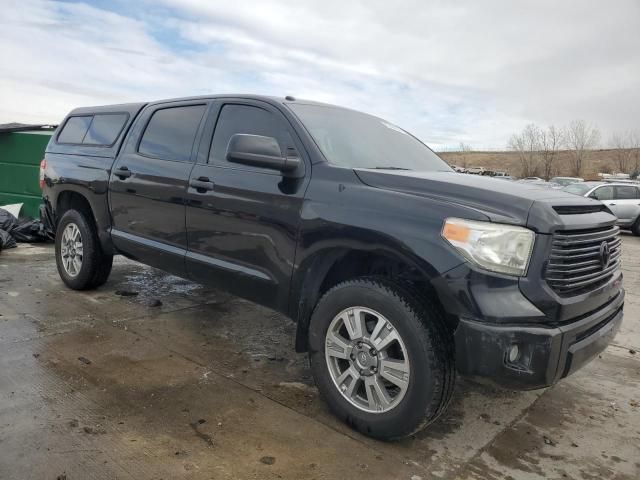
[(154, 377)]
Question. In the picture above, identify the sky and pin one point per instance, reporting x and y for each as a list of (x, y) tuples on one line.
[(448, 72)]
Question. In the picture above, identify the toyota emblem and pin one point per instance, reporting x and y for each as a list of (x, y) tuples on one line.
[(605, 255)]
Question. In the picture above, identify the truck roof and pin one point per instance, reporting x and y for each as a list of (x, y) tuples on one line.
[(135, 107), (130, 108)]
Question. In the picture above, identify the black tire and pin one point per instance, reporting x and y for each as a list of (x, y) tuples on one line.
[(96, 265), (103, 271), (428, 342), (635, 228)]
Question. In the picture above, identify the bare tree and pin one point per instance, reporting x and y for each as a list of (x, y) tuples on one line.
[(527, 145), (580, 138), (464, 149), (550, 141), (623, 151), (635, 153)]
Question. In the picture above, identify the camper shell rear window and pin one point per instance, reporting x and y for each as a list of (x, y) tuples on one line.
[(98, 130)]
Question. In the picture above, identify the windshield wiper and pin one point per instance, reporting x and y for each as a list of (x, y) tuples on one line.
[(391, 168)]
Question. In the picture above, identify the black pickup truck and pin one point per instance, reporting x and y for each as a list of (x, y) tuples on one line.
[(398, 271)]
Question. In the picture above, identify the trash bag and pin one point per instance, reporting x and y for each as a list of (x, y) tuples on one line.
[(23, 230), (30, 231), (6, 240), (13, 209), (7, 220)]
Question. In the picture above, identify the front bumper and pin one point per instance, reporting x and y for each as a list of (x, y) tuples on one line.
[(547, 354)]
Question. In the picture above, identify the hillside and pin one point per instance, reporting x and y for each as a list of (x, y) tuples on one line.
[(596, 161)]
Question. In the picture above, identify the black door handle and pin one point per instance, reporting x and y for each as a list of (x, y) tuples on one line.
[(202, 184), (122, 173)]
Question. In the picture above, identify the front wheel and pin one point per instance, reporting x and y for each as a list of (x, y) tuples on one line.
[(381, 357)]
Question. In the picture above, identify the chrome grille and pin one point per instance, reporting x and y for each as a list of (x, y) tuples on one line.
[(575, 265)]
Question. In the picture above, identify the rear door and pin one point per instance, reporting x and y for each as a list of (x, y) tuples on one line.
[(626, 202), (242, 221), (149, 181)]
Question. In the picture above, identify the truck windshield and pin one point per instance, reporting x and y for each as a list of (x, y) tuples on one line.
[(356, 140)]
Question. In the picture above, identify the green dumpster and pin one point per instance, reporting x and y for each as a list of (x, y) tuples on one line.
[(20, 156)]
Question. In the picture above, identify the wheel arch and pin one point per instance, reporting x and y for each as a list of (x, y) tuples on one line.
[(98, 215), (331, 266)]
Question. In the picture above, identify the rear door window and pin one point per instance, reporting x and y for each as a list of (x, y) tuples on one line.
[(170, 133), (75, 129), (626, 193), (104, 129)]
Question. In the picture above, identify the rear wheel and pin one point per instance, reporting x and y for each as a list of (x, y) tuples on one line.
[(381, 358), (635, 228), (81, 263)]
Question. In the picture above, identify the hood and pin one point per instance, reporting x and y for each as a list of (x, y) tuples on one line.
[(503, 201)]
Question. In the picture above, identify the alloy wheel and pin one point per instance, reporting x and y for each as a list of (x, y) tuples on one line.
[(71, 250), (367, 359)]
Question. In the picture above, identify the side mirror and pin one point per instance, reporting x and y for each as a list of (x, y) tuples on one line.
[(259, 151)]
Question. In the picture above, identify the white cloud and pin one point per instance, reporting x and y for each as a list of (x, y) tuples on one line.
[(447, 71)]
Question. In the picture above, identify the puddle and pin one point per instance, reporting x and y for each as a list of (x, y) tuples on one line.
[(152, 283)]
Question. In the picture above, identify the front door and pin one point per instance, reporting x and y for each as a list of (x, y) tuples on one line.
[(242, 221), (148, 185)]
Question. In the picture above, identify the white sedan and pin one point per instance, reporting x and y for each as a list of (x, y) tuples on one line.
[(623, 199)]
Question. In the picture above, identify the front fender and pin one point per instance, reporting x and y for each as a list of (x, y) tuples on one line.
[(341, 214)]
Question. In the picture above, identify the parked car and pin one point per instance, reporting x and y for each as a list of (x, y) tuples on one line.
[(476, 170), (458, 169), (533, 179), (623, 199), (538, 183), (621, 180), (564, 181), (398, 272), (615, 177)]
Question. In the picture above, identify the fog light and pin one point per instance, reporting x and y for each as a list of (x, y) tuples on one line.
[(514, 354)]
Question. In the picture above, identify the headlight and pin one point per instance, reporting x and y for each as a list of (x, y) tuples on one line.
[(492, 246)]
